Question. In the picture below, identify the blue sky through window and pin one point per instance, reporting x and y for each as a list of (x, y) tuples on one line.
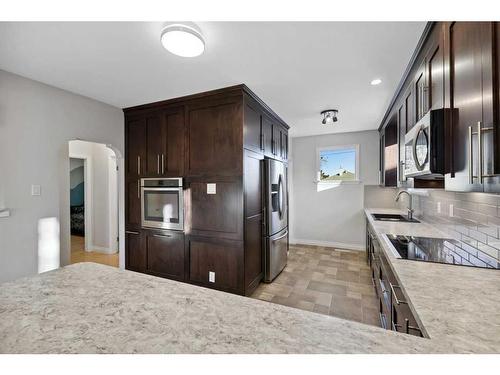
[(338, 164)]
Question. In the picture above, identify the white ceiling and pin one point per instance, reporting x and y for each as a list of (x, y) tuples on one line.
[(297, 68)]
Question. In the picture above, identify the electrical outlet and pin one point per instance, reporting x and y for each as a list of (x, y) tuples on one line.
[(211, 189), (36, 190), (211, 277), (451, 210), (438, 207)]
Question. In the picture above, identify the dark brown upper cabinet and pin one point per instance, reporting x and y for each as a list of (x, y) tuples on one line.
[(409, 106), (165, 142), (135, 144), (173, 129), (420, 90), (253, 138), (215, 139), (473, 85), (155, 144), (390, 153), (267, 137), (401, 116)]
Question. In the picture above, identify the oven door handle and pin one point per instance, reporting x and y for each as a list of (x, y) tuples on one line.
[(162, 188)]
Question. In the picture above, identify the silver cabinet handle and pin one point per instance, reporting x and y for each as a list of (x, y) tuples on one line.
[(158, 163), (138, 164), (480, 150), (162, 164), (131, 232), (469, 160), (162, 235), (139, 189)]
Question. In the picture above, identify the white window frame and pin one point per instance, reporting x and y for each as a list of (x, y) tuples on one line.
[(335, 148)]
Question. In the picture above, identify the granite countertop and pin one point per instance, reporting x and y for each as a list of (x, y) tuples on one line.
[(458, 306), (92, 308)]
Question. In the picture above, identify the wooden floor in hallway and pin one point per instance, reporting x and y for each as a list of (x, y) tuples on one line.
[(327, 281), (78, 254)]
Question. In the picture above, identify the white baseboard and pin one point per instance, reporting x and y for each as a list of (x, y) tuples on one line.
[(102, 249), (339, 245)]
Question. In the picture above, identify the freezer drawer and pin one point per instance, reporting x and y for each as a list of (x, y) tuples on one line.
[(276, 255)]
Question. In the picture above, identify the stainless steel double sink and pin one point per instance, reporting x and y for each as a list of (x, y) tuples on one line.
[(394, 218)]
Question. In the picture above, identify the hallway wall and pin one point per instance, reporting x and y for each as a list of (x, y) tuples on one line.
[(36, 123)]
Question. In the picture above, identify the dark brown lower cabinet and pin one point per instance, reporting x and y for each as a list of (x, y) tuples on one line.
[(216, 263), (394, 310), (165, 254), (135, 259)]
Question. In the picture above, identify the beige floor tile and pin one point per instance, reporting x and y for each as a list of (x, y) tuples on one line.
[(326, 281)]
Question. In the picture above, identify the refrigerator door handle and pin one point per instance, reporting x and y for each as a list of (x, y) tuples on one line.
[(280, 237), (280, 196)]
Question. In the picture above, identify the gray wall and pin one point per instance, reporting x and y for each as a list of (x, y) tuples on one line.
[(36, 123), (332, 217)]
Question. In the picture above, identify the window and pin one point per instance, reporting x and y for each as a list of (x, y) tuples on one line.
[(338, 164)]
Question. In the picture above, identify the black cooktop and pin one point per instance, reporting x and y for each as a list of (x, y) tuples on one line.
[(440, 250)]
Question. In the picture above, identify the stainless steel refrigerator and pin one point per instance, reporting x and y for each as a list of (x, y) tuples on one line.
[(276, 218)]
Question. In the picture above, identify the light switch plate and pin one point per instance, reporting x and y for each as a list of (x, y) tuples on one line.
[(211, 276), (438, 207), (451, 210), (36, 190), (211, 188)]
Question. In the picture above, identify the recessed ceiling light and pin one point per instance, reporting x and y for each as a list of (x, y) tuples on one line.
[(182, 40), (376, 82)]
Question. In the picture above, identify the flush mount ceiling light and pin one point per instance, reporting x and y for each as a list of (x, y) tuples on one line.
[(376, 81), (329, 116), (183, 40)]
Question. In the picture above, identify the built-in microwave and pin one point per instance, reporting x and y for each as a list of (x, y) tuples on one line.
[(162, 203), (425, 147)]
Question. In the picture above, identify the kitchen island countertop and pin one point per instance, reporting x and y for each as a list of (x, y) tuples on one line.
[(92, 308)]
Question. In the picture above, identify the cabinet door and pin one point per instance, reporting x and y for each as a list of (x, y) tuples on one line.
[(173, 131), (402, 134), (165, 254), (253, 137), (216, 263), (135, 254), (420, 93), (215, 213), (409, 105), (491, 107), (135, 157), (133, 204), (283, 144), (465, 76), (215, 139), (267, 136), (435, 74), (391, 152), (155, 144), (276, 143)]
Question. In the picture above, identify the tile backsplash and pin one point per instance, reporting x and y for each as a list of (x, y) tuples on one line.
[(472, 219)]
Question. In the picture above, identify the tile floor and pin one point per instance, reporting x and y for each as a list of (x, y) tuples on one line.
[(78, 254), (327, 281)]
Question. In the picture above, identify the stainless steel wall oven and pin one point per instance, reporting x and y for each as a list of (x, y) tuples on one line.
[(162, 203)]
